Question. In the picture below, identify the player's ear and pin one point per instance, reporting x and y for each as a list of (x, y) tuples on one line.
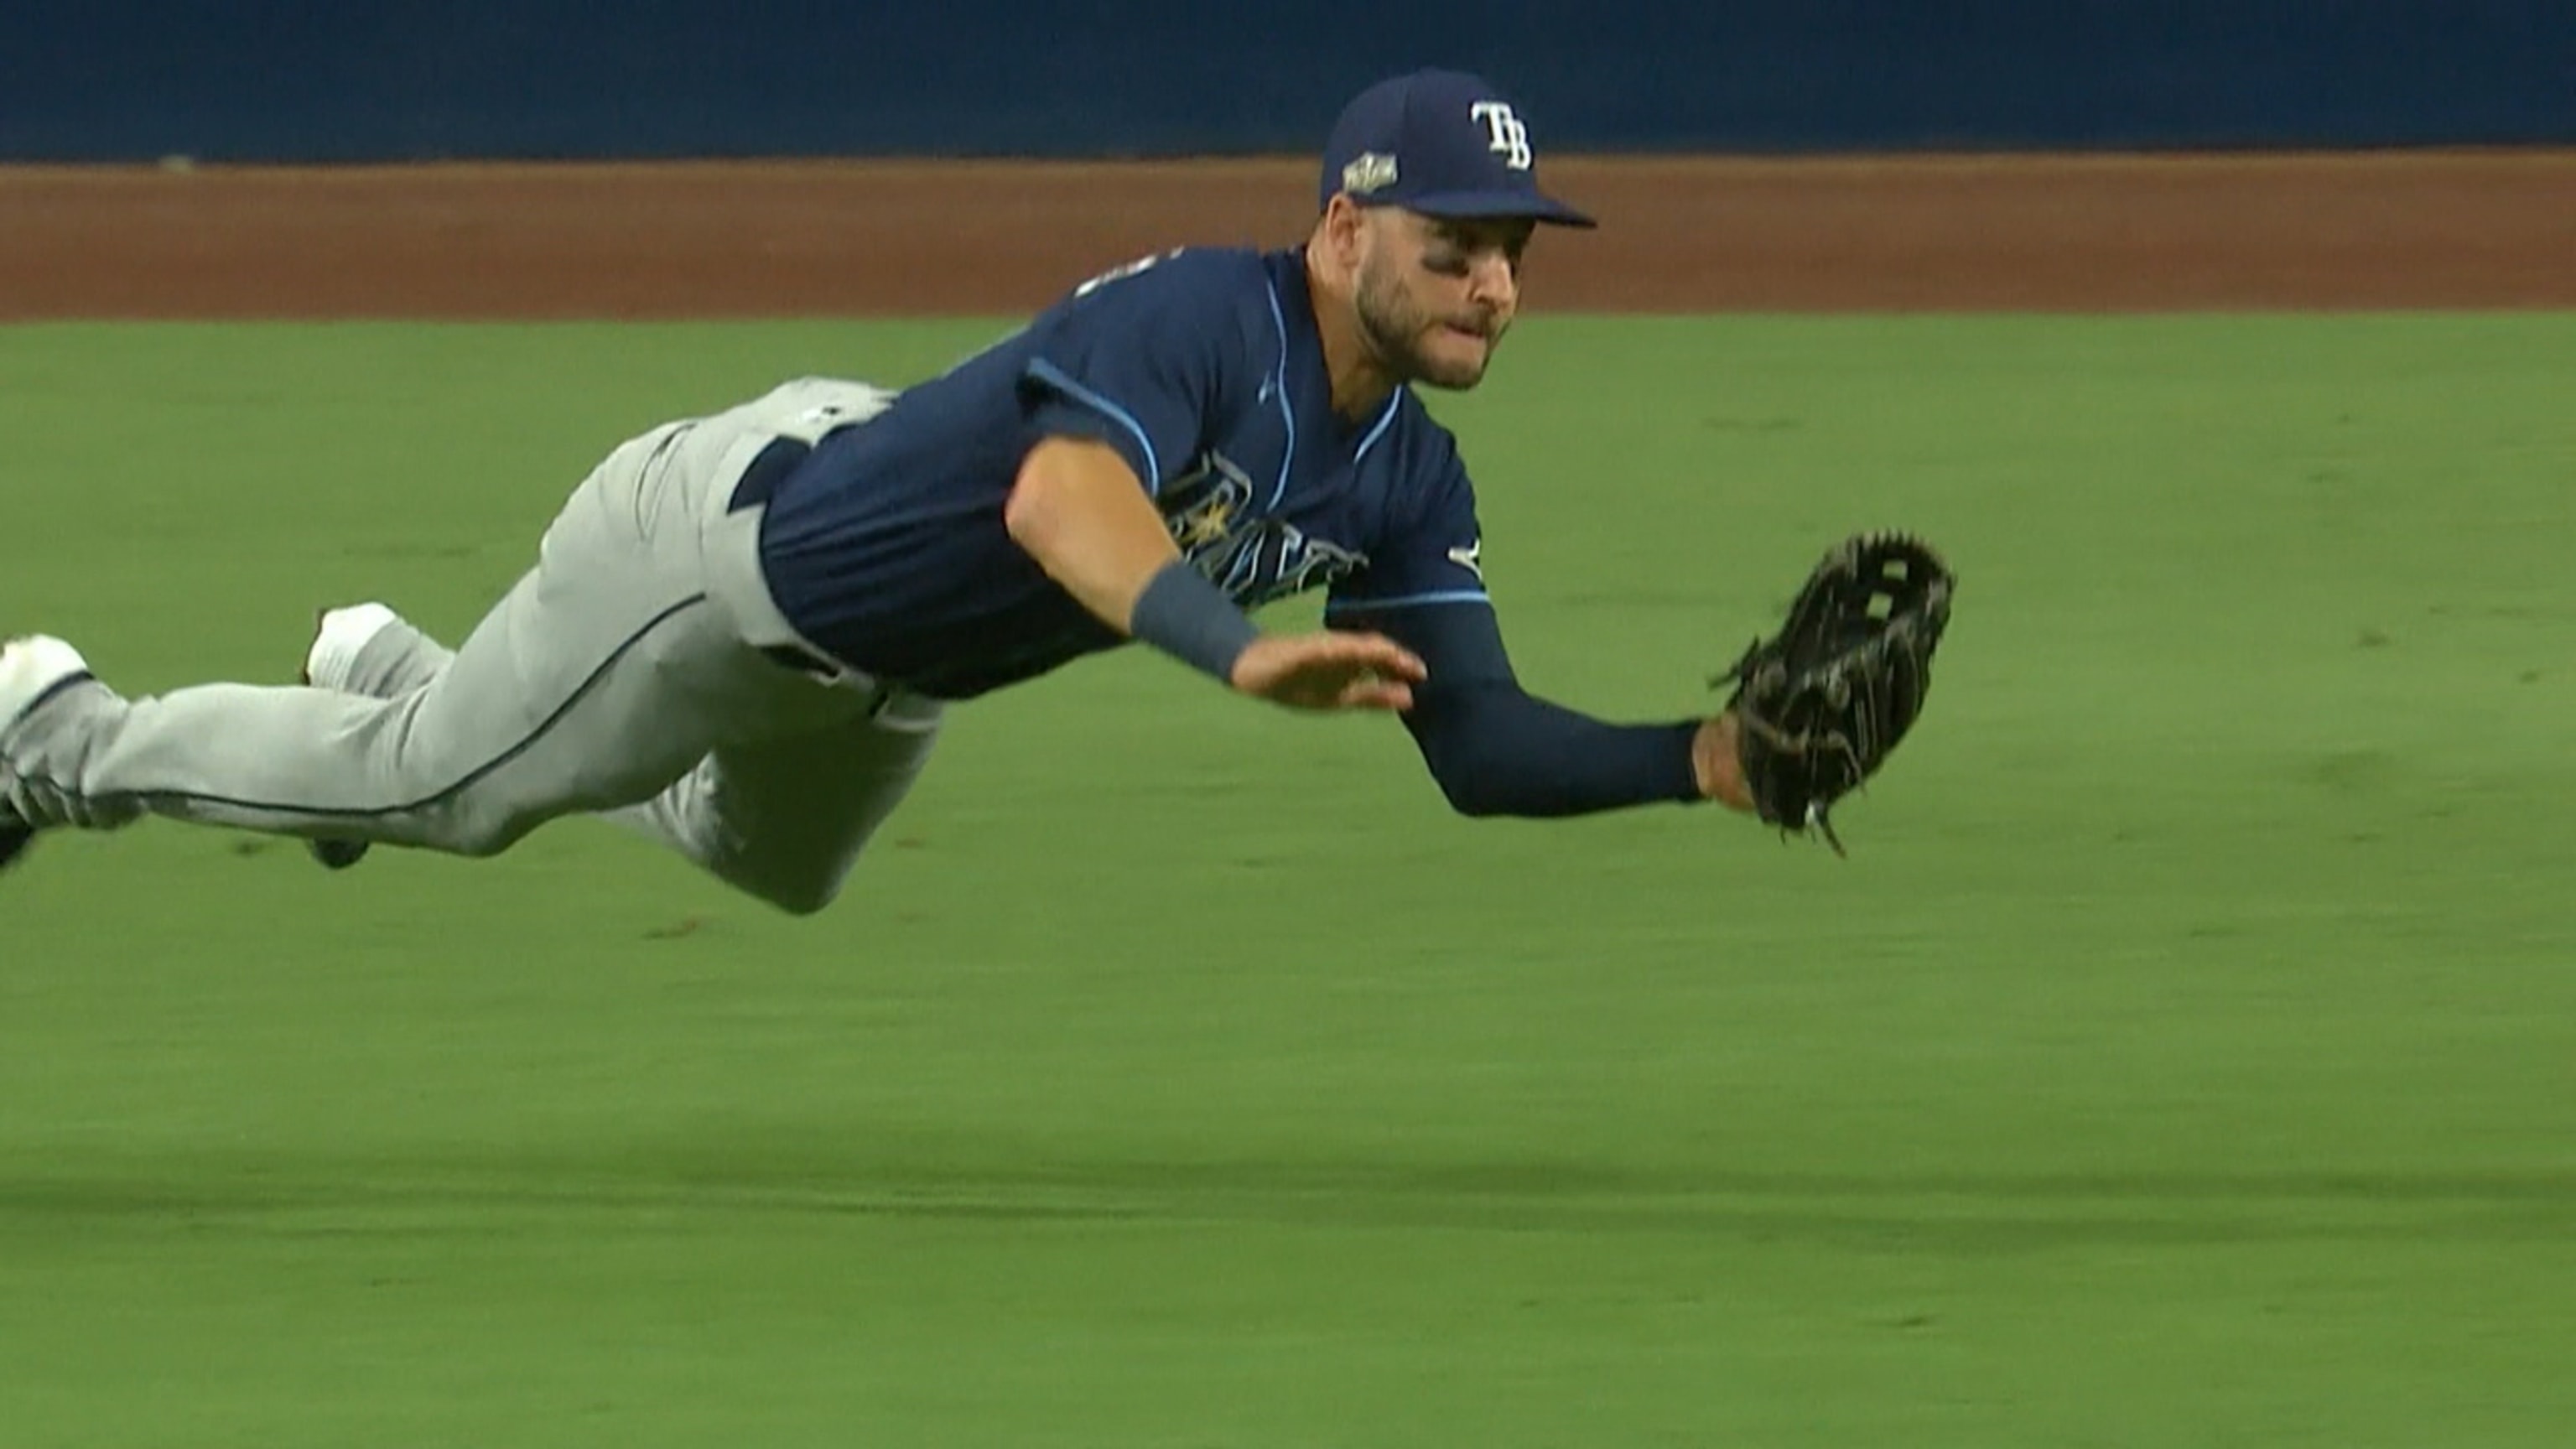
[(1340, 228)]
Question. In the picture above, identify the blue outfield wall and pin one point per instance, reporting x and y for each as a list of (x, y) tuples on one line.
[(338, 80)]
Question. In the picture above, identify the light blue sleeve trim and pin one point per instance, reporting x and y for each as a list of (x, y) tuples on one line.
[(1385, 420), (1413, 601), (1062, 381), (1286, 414)]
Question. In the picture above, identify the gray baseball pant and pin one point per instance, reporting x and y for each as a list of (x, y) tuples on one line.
[(634, 672)]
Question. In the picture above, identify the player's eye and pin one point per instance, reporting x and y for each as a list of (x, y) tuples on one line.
[(1457, 248)]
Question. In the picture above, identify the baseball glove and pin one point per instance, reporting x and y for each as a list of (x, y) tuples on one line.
[(1821, 704)]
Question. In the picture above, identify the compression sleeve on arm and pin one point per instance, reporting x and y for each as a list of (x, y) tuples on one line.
[(1498, 750)]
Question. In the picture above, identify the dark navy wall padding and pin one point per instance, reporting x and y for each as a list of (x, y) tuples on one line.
[(331, 80)]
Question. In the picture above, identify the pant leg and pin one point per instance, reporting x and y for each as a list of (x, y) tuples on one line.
[(604, 676), (782, 820), (785, 819)]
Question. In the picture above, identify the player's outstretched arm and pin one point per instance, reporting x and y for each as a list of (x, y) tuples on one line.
[(1495, 749), (1082, 513)]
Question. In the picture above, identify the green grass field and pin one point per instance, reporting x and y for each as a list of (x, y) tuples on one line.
[(2186, 1056)]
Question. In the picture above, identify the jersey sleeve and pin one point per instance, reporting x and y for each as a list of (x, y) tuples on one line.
[(1139, 358), (1431, 552)]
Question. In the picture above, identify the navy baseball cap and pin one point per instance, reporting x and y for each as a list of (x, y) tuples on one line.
[(1443, 143)]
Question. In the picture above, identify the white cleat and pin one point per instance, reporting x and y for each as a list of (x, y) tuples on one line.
[(338, 635), (32, 670)]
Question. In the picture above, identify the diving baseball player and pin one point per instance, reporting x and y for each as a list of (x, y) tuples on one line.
[(742, 631)]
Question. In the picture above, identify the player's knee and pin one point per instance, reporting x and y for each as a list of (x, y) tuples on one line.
[(485, 842), (480, 832), (798, 883), (798, 897)]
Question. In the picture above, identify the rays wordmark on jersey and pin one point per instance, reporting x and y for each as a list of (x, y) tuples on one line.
[(1209, 510)]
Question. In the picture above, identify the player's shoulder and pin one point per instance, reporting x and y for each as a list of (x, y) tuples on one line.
[(1209, 300), (1186, 272)]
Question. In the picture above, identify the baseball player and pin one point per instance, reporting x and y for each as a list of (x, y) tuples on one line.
[(741, 633)]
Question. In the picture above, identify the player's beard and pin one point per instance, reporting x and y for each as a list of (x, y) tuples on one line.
[(1395, 325)]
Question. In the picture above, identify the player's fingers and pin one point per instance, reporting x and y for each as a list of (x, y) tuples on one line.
[(1385, 694), (1378, 652)]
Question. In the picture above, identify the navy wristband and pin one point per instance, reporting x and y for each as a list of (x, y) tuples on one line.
[(1187, 617)]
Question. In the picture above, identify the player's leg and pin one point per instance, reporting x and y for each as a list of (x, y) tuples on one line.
[(34, 675), (367, 649), (785, 819), (605, 675)]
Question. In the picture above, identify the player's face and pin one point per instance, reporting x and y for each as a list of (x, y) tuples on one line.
[(1435, 296)]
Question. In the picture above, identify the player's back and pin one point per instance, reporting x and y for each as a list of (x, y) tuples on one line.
[(888, 545)]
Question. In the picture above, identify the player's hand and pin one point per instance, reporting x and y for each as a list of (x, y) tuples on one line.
[(1329, 669), (1717, 760)]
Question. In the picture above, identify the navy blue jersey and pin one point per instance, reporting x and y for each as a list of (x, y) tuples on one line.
[(1204, 370)]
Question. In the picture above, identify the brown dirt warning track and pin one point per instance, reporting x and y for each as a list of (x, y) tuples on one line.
[(2044, 233)]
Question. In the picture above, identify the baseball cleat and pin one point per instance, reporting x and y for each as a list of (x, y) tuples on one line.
[(32, 670), (338, 635), (35, 669)]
